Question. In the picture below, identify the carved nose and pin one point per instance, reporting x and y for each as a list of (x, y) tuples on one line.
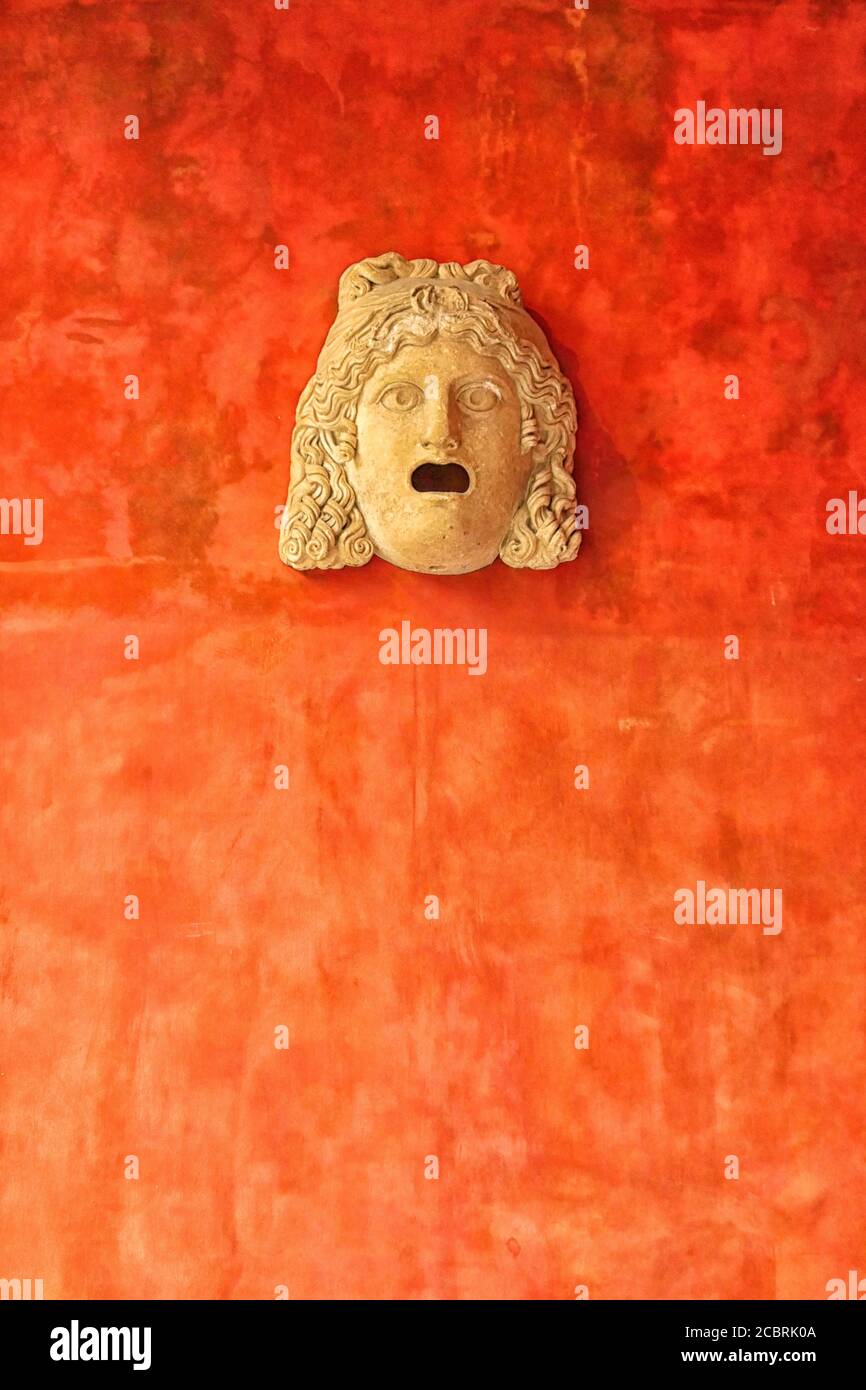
[(439, 429), (449, 443)]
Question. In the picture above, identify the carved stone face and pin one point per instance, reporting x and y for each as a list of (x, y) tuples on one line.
[(439, 470), (437, 431)]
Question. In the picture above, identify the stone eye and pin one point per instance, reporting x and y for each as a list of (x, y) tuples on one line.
[(401, 396), (478, 396)]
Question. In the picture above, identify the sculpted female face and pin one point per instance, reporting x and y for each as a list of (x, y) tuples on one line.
[(439, 471), (437, 431)]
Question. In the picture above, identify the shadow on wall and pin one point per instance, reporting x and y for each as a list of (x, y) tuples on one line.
[(606, 485)]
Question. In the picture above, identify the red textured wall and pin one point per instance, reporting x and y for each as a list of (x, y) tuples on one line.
[(305, 907)]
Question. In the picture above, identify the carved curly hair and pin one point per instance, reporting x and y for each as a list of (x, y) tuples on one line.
[(322, 524)]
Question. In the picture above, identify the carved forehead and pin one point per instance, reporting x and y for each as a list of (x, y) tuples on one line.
[(445, 359)]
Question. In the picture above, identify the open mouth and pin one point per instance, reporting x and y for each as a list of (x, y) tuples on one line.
[(440, 477)]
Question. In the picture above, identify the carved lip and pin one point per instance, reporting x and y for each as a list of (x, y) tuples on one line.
[(446, 477)]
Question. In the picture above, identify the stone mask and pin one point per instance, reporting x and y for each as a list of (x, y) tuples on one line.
[(438, 431)]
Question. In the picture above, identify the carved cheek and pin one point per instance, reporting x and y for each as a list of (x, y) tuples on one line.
[(388, 432)]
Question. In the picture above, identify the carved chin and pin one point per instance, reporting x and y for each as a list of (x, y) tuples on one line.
[(440, 542), (437, 563)]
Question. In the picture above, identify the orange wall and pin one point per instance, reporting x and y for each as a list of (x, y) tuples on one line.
[(258, 907)]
